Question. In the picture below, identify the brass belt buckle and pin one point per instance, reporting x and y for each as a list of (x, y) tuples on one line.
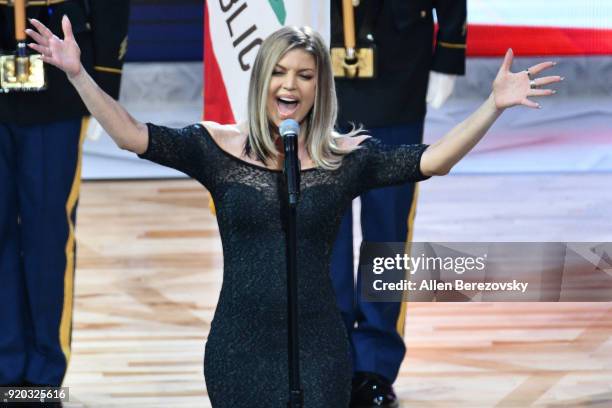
[(25, 74), (357, 63), (20, 71), (352, 61)]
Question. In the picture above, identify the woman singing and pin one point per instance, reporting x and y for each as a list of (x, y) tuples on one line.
[(246, 354)]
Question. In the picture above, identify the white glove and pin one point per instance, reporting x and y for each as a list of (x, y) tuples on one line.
[(440, 88), (94, 129)]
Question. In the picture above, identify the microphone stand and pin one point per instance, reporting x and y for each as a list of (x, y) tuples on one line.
[(292, 182)]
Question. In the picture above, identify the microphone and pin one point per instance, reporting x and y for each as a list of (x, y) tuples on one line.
[(289, 130)]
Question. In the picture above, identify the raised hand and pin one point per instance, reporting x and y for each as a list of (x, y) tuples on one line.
[(64, 54), (511, 89)]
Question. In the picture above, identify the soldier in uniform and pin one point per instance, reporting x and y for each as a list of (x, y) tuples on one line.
[(392, 107), (40, 167)]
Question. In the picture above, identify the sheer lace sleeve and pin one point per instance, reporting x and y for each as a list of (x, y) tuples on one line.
[(187, 150), (387, 165)]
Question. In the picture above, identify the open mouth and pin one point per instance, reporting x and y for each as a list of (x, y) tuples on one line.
[(287, 106)]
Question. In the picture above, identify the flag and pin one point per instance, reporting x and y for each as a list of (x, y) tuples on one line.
[(539, 27), (233, 33)]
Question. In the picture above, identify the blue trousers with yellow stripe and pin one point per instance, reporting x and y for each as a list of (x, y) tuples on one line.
[(376, 329), (39, 183)]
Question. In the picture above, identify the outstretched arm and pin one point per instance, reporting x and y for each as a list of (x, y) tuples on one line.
[(509, 89), (127, 132)]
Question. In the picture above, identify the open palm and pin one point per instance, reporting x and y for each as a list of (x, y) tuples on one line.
[(515, 88), (64, 54)]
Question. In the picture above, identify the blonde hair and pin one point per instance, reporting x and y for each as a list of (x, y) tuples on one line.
[(319, 126)]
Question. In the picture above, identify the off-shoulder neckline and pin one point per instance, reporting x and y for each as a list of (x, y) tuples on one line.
[(239, 160)]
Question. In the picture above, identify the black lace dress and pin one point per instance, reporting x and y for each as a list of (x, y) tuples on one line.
[(245, 361)]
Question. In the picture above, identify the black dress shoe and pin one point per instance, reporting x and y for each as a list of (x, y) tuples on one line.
[(371, 390)]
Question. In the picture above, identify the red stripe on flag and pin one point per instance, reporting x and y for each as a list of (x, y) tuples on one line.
[(490, 40), (217, 107)]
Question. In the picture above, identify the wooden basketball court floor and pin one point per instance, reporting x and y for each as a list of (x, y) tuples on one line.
[(149, 271)]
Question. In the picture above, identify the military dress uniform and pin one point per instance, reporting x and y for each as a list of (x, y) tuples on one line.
[(40, 165), (392, 107)]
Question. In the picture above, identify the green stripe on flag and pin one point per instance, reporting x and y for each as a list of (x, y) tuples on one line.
[(279, 9)]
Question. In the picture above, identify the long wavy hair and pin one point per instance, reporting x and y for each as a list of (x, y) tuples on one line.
[(320, 136)]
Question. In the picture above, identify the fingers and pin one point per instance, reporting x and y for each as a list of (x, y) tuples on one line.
[(67, 28), (548, 80), (531, 104), (507, 63), (42, 29), (536, 69), (541, 92), (44, 52), (38, 48), (37, 37), (50, 61)]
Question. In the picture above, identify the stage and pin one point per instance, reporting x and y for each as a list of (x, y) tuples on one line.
[(150, 263), (149, 273)]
